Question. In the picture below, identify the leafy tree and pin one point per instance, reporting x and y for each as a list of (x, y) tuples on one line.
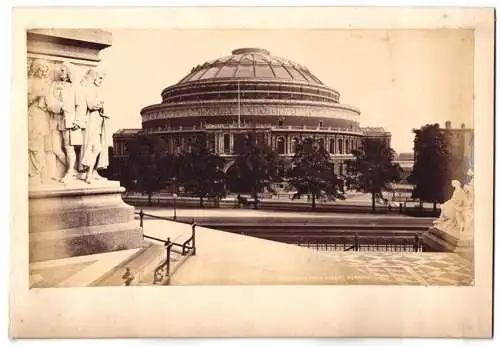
[(431, 169), (149, 164), (373, 162), (201, 172), (312, 172), (257, 165)]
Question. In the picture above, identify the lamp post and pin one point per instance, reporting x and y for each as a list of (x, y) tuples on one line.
[(174, 196), (372, 189), (175, 210)]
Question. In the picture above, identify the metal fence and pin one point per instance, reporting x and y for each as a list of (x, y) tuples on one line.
[(371, 243)]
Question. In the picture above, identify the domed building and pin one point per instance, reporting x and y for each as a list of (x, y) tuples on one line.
[(279, 101)]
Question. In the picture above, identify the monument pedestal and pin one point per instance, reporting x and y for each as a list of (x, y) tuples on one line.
[(436, 240), (80, 219)]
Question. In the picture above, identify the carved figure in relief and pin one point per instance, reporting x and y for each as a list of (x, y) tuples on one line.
[(64, 125), (95, 147), (38, 120)]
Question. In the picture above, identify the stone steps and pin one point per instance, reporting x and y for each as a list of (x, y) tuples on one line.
[(141, 266)]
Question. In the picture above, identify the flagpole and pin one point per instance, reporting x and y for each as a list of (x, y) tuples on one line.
[(239, 105)]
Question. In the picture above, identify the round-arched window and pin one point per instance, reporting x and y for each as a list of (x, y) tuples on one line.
[(294, 144), (332, 146), (321, 143), (280, 145)]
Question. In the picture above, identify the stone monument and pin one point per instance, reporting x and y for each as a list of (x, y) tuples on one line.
[(73, 211), (453, 231)]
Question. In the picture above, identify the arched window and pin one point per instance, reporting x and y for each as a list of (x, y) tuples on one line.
[(211, 143), (321, 142), (294, 145), (332, 146), (280, 145), (227, 143), (341, 149), (347, 149)]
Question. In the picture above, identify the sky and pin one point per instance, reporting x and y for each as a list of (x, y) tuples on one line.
[(398, 79)]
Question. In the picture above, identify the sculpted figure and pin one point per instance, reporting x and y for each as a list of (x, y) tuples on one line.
[(451, 218), (94, 153), (469, 204), (65, 127), (38, 120)]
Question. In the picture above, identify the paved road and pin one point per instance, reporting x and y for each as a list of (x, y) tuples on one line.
[(222, 213), (356, 203)]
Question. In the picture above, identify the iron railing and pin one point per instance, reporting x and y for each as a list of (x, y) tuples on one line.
[(163, 272), (368, 243)]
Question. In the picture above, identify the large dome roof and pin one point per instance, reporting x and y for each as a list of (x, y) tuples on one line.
[(252, 63)]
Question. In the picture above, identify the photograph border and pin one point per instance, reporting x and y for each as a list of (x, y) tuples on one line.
[(257, 311)]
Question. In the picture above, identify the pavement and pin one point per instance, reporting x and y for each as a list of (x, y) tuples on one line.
[(231, 259), (228, 259), (261, 213), (353, 198)]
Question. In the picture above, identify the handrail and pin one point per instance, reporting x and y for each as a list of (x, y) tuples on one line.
[(162, 272), (157, 239)]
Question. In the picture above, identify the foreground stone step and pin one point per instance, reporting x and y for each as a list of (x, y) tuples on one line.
[(141, 266)]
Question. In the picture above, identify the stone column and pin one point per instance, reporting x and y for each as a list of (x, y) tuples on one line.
[(221, 142), (216, 143)]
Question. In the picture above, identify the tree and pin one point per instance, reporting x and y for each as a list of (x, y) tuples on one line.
[(201, 172), (257, 165), (149, 165), (312, 172), (431, 169), (374, 165)]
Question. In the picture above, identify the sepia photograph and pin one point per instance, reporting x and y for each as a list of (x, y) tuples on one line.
[(193, 157), (249, 168)]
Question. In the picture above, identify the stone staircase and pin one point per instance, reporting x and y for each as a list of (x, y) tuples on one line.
[(142, 266)]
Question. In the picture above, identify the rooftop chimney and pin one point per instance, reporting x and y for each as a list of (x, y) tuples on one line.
[(462, 126), (447, 125)]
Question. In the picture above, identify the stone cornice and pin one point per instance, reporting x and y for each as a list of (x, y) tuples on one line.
[(84, 44), (314, 105), (256, 109), (244, 81)]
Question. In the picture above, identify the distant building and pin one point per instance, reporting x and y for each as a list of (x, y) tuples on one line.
[(121, 139), (276, 100), (377, 133), (405, 161), (460, 142)]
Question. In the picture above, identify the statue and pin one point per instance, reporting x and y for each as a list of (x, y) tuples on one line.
[(65, 129), (469, 204), (38, 120), (94, 153), (451, 218)]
